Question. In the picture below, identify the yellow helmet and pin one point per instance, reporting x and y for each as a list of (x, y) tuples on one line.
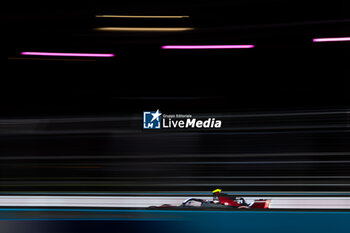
[(217, 191)]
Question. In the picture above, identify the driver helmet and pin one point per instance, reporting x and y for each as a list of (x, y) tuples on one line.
[(216, 193)]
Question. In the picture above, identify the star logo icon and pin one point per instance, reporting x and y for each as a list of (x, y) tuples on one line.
[(156, 115), (152, 120)]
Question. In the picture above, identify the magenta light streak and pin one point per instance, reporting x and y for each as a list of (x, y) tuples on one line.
[(207, 46), (68, 54), (334, 39)]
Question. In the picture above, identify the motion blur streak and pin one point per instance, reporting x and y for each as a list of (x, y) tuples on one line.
[(144, 29), (146, 201), (301, 150), (334, 39), (207, 46), (68, 54), (48, 59), (144, 16), (80, 157)]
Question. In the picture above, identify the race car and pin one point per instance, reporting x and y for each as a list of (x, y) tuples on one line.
[(220, 200)]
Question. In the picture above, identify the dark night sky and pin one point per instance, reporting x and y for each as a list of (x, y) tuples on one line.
[(285, 72)]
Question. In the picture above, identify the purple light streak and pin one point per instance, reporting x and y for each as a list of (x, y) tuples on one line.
[(207, 46), (68, 54), (333, 39)]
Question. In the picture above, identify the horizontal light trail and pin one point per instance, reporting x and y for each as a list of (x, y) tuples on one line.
[(146, 201), (68, 54), (331, 39), (87, 164), (247, 162), (144, 16), (47, 59), (142, 211), (216, 115), (172, 177), (144, 29), (277, 114), (207, 46), (134, 184), (178, 193), (72, 157)]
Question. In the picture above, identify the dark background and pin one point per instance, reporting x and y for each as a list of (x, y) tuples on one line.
[(77, 126)]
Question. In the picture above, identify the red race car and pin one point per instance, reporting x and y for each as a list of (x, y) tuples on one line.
[(220, 200)]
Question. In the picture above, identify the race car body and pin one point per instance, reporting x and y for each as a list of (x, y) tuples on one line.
[(220, 201), (224, 203)]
